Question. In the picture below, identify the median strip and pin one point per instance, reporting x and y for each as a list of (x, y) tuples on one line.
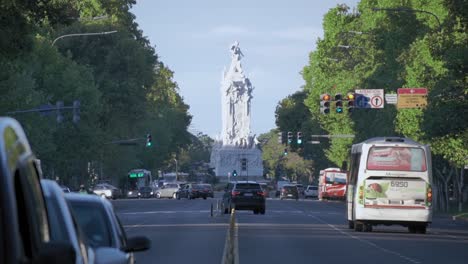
[(231, 248)]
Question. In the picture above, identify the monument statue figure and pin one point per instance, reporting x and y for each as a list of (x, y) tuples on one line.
[(236, 143), (236, 90)]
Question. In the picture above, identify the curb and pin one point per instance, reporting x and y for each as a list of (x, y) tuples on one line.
[(460, 218)]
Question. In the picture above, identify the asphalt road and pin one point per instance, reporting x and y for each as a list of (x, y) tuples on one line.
[(305, 231)]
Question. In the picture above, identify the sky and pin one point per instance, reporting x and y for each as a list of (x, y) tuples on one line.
[(192, 37)]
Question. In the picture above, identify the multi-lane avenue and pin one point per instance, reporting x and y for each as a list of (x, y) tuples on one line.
[(304, 231)]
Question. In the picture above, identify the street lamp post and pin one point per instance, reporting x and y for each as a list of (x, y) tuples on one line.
[(83, 34), (411, 10)]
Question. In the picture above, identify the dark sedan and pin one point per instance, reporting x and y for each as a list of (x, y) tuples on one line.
[(146, 192), (289, 192)]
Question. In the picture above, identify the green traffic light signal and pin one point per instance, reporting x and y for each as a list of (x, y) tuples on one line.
[(149, 144)]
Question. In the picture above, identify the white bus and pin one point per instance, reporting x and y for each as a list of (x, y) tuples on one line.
[(389, 183)]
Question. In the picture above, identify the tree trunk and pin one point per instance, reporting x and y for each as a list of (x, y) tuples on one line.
[(445, 180), (460, 184)]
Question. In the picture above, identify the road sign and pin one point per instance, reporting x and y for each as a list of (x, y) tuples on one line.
[(369, 98), (391, 98), (412, 98)]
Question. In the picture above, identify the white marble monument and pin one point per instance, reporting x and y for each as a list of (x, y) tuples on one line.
[(236, 143)]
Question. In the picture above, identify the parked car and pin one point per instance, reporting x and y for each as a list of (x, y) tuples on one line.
[(207, 190), (244, 195), (311, 191), (169, 190), (146, 192), (25, 227), (106, 190), (192, 191), (289, 192), (98, 221)]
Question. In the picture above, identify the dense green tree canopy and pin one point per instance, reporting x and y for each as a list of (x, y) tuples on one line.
[(124, 89)]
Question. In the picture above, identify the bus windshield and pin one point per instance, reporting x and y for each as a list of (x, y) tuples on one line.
[(396, 159)]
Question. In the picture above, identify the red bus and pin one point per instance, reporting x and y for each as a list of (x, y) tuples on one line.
[(332, 184)]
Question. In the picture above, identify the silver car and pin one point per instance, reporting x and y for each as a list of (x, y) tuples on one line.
[(169, 190), (97, 219), (62, 223), (311, 191)]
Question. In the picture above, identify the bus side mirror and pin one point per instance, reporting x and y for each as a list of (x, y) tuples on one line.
[(344, 166)]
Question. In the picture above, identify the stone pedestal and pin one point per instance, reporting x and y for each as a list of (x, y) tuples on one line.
[(227, 159)]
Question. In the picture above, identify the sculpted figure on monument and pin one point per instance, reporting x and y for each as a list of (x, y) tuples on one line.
[(237, 95)]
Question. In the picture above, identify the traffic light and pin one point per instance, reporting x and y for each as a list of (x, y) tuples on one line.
[(280, 138), (244, 164), (350, 98), (290, 137), (325, 103), (59, 106), (339, 103), (149, 140), (76, 111), (299, 138), (285, 152), (234, 173)]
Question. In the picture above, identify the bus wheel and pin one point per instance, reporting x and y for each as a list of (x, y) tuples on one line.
[(358, 226), (350, 224)]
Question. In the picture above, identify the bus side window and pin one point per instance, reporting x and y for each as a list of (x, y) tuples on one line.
[(354, 171)]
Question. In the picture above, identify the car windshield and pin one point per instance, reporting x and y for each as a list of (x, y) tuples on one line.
[(94, 222), (145, 189)]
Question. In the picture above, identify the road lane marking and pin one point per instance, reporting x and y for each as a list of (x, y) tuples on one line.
[(177, 225), (166, 212), (368, 242)]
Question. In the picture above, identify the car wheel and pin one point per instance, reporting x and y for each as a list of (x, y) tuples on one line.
[(256, 211), (178, 196), (158, 195), (174, 195), (204, 198)]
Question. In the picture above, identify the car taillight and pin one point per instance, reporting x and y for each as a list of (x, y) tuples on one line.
[(234, 193), (261, 193), (429, 195)]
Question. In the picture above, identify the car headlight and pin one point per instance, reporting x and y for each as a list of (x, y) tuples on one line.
[(139, 194), (130, 193), (151, 193)]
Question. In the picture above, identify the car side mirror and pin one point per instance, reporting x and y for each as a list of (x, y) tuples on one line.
[(138, 243), (108, 255), (56, 252)]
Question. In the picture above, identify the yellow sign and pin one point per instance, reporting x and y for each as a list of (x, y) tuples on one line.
[(412, 101)]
